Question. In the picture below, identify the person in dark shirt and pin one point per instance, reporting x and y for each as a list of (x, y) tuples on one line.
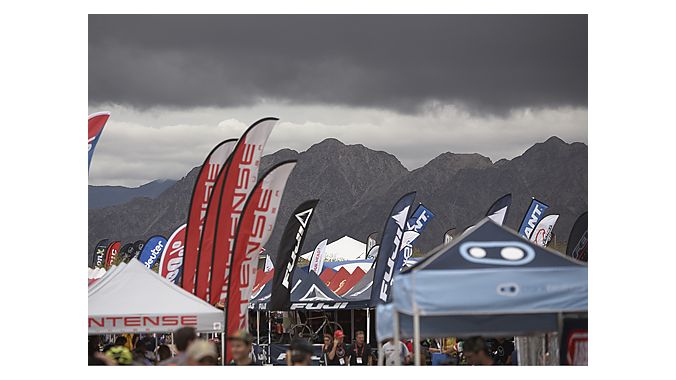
[(338, 354), (502, 349), (241, 345), (299, 353), (163, 352), (326, 348), (359, 351), (477, 352)]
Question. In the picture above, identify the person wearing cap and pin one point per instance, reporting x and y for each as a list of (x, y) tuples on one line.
[(202, 352), (299, 353), (241, 345), (338, 354)]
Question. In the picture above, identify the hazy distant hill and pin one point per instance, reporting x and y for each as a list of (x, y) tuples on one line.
[(357, 187), (104, 196)]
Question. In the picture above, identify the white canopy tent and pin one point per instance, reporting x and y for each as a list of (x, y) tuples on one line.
[(133, 299), (343, 249)]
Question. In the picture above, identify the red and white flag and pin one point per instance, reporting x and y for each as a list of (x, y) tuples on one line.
[(255, 227), (317, 260), (238, 181), (543, 231), (201, 194), (111, 253), (95, 122)]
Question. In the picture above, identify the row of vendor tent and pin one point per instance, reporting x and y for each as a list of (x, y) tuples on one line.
[(489, 282), (333, 289), (130, 298), (348, 283)]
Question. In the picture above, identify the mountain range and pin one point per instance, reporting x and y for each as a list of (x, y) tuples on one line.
[(358, 186), (104, 196)]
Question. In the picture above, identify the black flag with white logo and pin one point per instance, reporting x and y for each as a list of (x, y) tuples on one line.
[(288, 253), (390, 250), (127, 251), (137, 248), (98, 259)]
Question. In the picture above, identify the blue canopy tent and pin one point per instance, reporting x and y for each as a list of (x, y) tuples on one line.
[(488, 282)]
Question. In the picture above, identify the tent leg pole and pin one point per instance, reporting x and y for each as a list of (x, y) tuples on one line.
[(223, 348), (397, 339), (368, 326), (416, 337), (352, 325), (269, 337), (258, 328), (381, 354)]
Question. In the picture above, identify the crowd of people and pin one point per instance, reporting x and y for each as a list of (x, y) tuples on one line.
[(184, 347), (187, 349), (445, 351)]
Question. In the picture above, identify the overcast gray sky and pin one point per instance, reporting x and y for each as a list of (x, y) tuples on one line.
[(415, 86)]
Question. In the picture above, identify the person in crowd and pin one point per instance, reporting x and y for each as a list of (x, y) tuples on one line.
[(447, 352), (392, 349), (163, 352), (97, 357), (338, 354), (144, 352), (299, 353), (476, 351), (120, 355), (121, 341), (408, 343), (326, 348), (107, 347), (433, 345), (502, 349), (139, 355), (183, 337), (241, 348), (359, 351), (201, 352)]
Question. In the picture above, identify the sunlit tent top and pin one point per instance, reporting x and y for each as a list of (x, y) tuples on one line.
[(135, 299), (345, 248), (488, 281)]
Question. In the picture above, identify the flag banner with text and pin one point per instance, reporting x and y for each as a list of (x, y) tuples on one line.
[(253, 231), (199, 201), (172, 257), (535, 212), (237, 182), (288, 253), (390, 250)]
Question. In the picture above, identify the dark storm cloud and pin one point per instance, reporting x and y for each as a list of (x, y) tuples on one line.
[(491, 63)]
